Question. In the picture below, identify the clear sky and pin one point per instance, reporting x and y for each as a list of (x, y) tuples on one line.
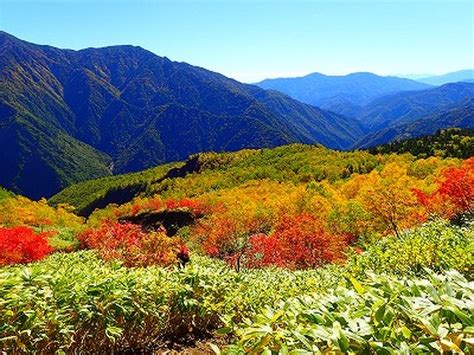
[(254, 39)]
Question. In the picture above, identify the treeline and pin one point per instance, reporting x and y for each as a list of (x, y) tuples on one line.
[(451, 142)]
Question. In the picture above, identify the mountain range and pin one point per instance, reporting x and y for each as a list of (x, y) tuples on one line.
[(387, 108), (460, 115), (412, 105), (71, 115), (68, 116), (342, 94), (466, 75)]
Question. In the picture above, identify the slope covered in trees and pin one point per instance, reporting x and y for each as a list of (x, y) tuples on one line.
[(451, 142), (296, 163), (460, 115), (409, 107)]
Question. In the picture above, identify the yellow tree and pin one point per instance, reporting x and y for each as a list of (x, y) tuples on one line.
[(389, 198)]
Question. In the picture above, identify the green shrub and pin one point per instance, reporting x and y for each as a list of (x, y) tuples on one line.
[(64, 239), (5, 194), (435, 245), (77, 302), (384, 315)]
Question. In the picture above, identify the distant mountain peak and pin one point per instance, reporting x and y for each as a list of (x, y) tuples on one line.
[(362, 73)]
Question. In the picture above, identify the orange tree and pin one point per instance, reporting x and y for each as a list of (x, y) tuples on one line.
[(388, 197)]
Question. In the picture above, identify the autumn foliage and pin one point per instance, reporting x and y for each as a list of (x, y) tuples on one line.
[(128, 243), (266, 218), (266, 223), (298, 242), (156, 204), (22, 245), (21, 211), (454, 194), (458, 186)]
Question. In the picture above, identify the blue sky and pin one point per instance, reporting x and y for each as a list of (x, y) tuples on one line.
[(254, 39)]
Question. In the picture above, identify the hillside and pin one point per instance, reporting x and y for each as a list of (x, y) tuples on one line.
[(384, 105), (341, 94), (451, 142), (411, 105), (210, 170), (298, 163), (74, 115), (459, 115), (155, 200)]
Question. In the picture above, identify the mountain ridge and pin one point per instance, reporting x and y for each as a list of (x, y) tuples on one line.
[(459, 115), (465, 75), (410, 105), (357, 89)]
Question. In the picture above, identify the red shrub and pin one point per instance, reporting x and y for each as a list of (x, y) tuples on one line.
[(434, 204), (212, 251), (127, 242), (22, 245), (218, 236), (458, 186), (306, 244), (265, 251), (455, 193), (298, 242)]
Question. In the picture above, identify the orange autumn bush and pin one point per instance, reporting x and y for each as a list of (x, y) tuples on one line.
[(134, 247)]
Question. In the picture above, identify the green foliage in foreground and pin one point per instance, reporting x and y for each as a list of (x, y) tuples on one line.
[(435, 245), (383, 315), (78, 302)]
